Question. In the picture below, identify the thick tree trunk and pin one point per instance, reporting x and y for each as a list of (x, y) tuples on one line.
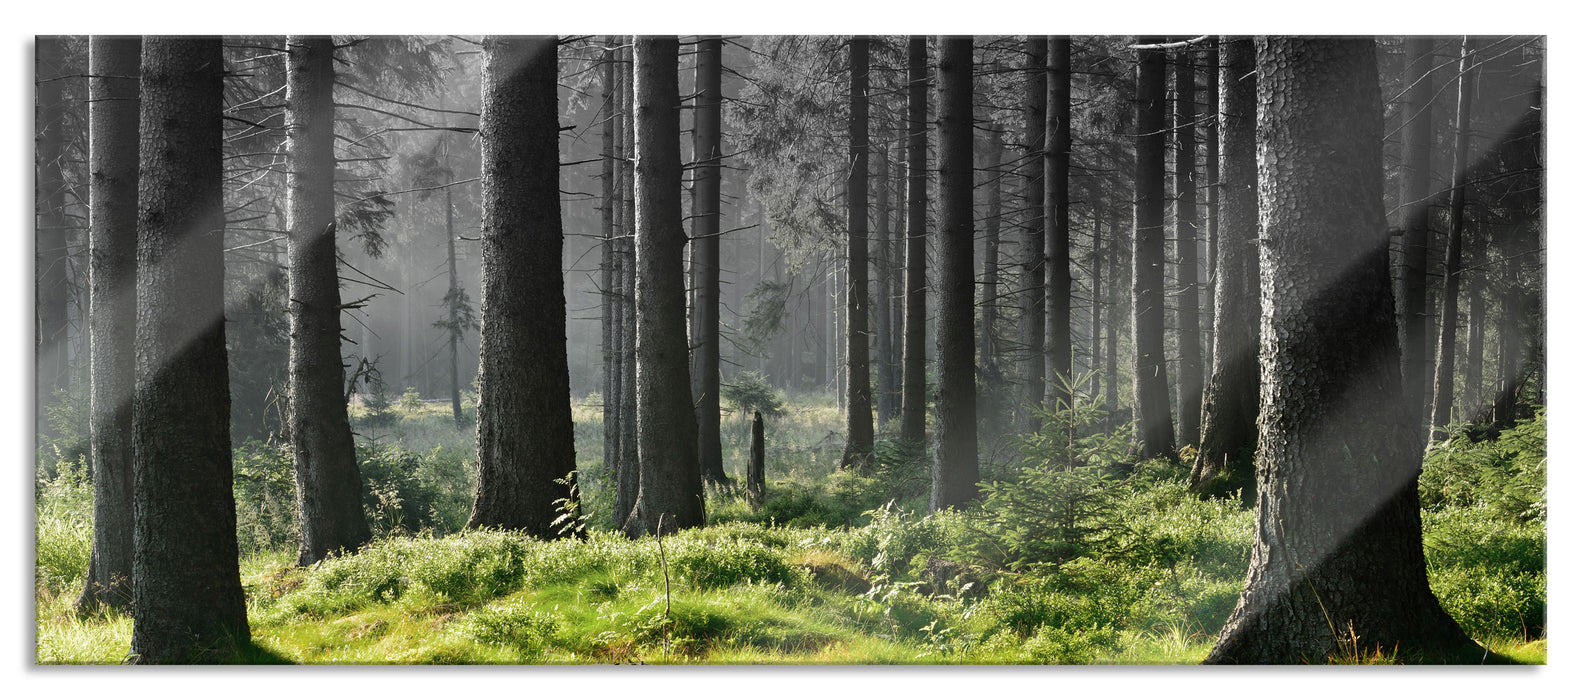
[(329, 486), (913, 400), (1189, 341), (955, 481), (1417, 180), (859, 391), (1150, 382), (188, 604), (1057, 222), (51, 286), (1445, 360), (525, 437), (1230, 403), (670, 487), (1337, 564), (705, 250), (112, 316), (1034, 266)]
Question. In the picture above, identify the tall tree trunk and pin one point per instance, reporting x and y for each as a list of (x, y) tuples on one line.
[(1445, 361), (52, 288), (1095, 283), (913, 400), (1057, 222), (113, 64), (898, 268), (1211, 136), (1116, 296), (610, 275), (187, 599), (1230, 403), (1338, 549), (329, 486), (859, 392), (884, 329), (525, 439), (631, 469), (1189, 390), (670, 487), (1474, 281), (955, 481), (456, 322), (705, 249), (1150, 383), (1035, 106), (989, 286), (1417, 180)]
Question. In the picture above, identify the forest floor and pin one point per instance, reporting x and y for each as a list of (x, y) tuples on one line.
[(834, 569)]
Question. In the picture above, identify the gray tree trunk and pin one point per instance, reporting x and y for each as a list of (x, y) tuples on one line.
[(187, 599), (1057, 222), (1338, 548), (609, 270), (914, 402), (1445, 361), (525, 437), (626, 490), (1189, 340), (989, 287), (955, 481), (112, 315), (859, 390), (705, 250), (1150, 382), (1034, 266), (51, 286), (670, 487), (885, 331), (329, 486)]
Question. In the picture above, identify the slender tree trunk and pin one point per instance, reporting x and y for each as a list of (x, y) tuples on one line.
[(897, 293), (1057, 218), (1476, 249), (989, 288), (525, 439), (755, 462), (609, 269), (456, 322), (1338, 550), (1230, 403), (1211, 136), (1035, 106), (51, 286), (883, 319), (955, 481), (1112, 404), (112, 317), (1444, 363), (187, 599), (1095, 283), (631, 469), (1150, 383), (329, 486), (670, 487), (705, 249), (1417, 180), (913, 401), (1189, 391), (859, 392)]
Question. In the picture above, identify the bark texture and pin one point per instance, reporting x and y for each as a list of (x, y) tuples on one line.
[(1057, 221), (1034, 267), (1230, 402), (329, 486), (112, 313), (859, 390), (670, 487), (914, 402), (1150, 382), (955, 481), (1338, 552), (705, 251), (1189, 341), (188, 605), (610, 275), (524, 417)]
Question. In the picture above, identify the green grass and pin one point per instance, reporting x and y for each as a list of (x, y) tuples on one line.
[(835, 569)]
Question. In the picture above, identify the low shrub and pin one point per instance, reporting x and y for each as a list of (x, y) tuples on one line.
[(63, 527)]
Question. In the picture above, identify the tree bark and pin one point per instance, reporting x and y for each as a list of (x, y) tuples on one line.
[(913, 400), (610, 269), (1337, 561), (1034, 266), (1189, 389), (1417, 180), (1211, 176), (525, 437), (670, 487), (1445, 361), (885, 330), (188, 604), (329, 486), (631, 469), (1230, 402), (859, 391), (755, 463), (955, 481), (1150, 382), (705, 250), (989, 287), (51, 286), (112, 316), (1057, 218)]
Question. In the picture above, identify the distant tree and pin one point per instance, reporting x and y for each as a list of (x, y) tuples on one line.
[(51, 284), (1189, 341), (1416, 181), (914, 401), (1230, 402), (1034, 266), (859, 390), (610, 268), (525, 440), (885, 330), (1338, 549), (1057, 223), (187, 599), (112, 312), (989, 286), (329, 486), (705, 250), (955, 481), (1150, 384), (670, 488), (1445, 360)]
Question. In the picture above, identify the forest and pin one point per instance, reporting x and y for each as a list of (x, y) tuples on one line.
[(790, 349)]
